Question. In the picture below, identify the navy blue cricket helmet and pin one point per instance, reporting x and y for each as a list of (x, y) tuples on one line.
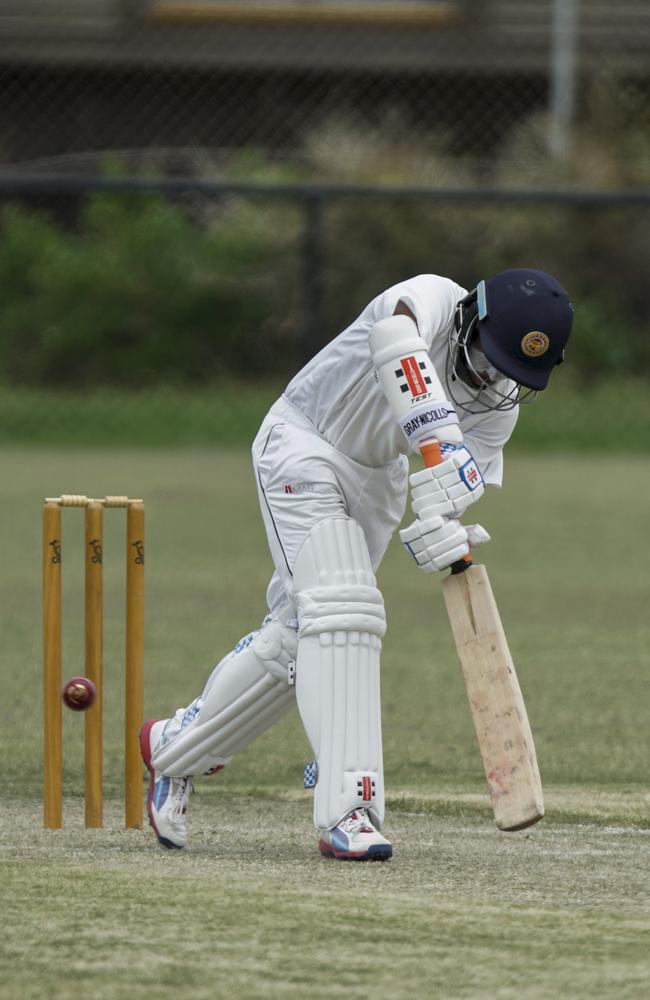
[(524, 323)]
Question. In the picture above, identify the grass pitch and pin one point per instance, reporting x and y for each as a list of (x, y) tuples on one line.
[(251, 910)]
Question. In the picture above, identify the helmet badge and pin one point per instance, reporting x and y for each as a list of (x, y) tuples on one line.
[(534, 344)]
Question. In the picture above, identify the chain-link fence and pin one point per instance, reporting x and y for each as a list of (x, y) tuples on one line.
[(491, 133), (430, 88)]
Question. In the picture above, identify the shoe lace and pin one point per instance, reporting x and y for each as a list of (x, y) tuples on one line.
[(357, 821), (180, 797)]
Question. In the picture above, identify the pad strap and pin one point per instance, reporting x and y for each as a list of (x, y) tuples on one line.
[(347, 609)]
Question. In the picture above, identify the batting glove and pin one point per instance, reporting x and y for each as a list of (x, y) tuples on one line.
[(447, 490), (435, 543), (438, 542)]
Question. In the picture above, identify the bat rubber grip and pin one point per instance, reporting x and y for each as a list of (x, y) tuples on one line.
[(432, 454)]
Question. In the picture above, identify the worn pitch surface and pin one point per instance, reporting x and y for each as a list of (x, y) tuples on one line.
[(250, 909)]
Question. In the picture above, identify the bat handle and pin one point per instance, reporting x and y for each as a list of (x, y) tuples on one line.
[(432, 455)]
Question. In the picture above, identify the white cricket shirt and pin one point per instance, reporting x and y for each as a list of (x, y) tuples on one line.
[(339, 393)]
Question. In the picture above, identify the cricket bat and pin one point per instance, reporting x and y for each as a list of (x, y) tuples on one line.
[(496, 702)]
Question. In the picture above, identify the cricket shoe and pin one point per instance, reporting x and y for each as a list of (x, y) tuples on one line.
[(355, 839), (167, 797)]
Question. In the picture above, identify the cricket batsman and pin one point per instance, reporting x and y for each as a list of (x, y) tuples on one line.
[(331, 466)]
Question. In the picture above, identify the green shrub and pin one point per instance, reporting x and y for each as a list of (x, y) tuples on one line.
[(139, 292), (599, 254), (145, 291), (370, 249)]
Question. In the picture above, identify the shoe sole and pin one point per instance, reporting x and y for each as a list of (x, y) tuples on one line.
[(145, 750), (378, 852)]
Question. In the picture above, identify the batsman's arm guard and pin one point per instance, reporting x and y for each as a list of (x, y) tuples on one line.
[(411, 384), (341, 624)]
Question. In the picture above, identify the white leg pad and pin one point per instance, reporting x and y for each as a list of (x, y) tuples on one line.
[(341, 624), (248, 691)]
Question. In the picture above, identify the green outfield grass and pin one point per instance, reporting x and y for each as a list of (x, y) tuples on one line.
[(251, 910), (612, 415)]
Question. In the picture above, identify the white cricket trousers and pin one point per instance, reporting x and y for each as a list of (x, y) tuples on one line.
[(302, 480)]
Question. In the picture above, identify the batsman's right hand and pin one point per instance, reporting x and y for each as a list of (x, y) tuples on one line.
[(436, 543)]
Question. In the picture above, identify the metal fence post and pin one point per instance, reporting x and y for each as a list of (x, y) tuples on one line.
[(564, 33), (312, 276)]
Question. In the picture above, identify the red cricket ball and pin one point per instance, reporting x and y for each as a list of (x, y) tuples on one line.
[(78, 693)]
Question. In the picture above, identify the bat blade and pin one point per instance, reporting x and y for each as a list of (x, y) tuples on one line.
[(498, 711)]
